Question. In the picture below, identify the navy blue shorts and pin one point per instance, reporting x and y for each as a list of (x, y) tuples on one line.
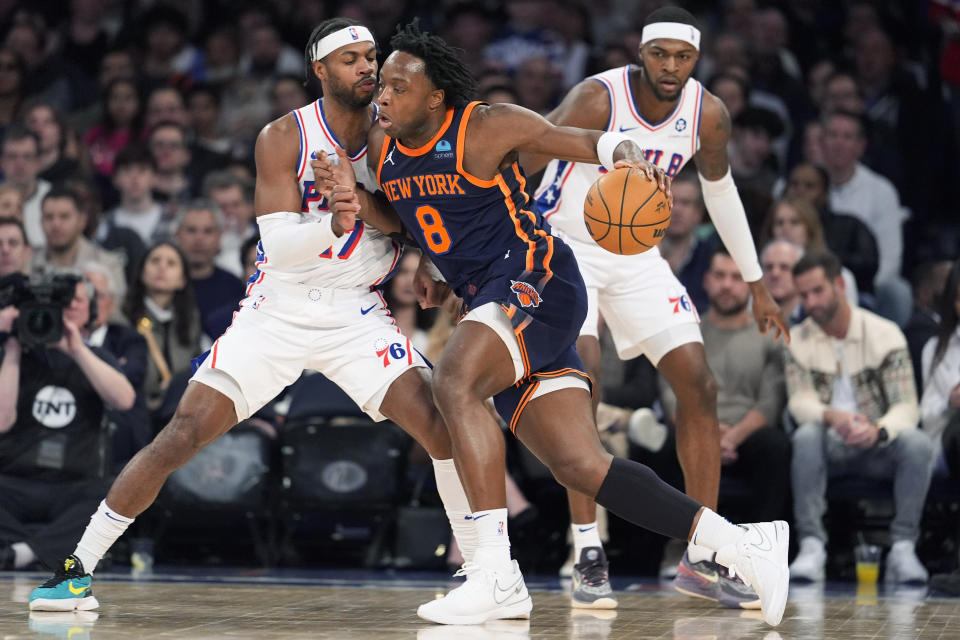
[(546, 310)]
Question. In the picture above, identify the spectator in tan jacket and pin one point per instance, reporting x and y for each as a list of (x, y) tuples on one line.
[(850, 388)]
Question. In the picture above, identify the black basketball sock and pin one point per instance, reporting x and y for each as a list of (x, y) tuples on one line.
[(636, 494)]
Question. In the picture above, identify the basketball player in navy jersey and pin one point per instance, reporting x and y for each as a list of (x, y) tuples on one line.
[(674, 119), (309, 305), (449, 168)]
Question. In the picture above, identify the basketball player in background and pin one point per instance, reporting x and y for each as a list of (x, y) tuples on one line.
[(309, 305), (449, 168), (674, 119)]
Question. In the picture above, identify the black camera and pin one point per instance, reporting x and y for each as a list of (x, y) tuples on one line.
[(41, 304)]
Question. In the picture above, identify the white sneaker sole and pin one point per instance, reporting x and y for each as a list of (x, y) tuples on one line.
[(777, 599), (599, 603), (516, 610), (64, 604)]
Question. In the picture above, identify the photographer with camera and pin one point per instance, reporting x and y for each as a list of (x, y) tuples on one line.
[(54, 390)]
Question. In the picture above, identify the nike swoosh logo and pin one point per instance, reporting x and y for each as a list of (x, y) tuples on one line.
[(622, 130), (76, 592), (765, 544), (513, 589), (709, 577), (483, 516), (587, 529), (364, 312)]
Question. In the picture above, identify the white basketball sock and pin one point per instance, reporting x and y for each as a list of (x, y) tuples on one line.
[(698, 553), (584, 535), (22, 555), (493, 540), (456, 505), (717, 534), (106, 525)]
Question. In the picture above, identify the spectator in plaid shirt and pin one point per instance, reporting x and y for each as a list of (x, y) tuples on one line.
[(850, 388)]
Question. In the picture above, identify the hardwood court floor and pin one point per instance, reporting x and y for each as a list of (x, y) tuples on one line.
[(361, 605)]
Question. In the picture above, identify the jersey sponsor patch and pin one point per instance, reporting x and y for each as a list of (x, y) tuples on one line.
[(526, 294)]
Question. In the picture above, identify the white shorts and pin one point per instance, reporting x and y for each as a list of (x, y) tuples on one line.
[(281, 329), (492, 315), (647, 309)]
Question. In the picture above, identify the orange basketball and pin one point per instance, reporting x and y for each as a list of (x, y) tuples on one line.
[(625, 213)]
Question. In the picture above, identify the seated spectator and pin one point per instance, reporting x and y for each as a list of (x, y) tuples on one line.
[(52, 402), (120, 125), (19, 161), (850, 388), (940, 406), (14, 250), (752, 161), (846, 236), (198, 236), (134, 175), (777, 259), (52, 130), (687, 254), (796, 221), (287, 94), (203, 105), (66, 247), (161, 307), (750, 393), (11, 202), (248, 256), (860, 192), (173, 185), (129, 349), (233, 195), (928, 283)]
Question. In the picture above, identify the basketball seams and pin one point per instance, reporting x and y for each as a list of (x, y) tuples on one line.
[(605, 208), (640, 238)]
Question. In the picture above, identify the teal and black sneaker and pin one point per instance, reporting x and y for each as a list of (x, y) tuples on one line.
[(68, 590)]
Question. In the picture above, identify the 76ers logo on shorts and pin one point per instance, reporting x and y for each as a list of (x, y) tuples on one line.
[(526, 294), (680, 302), (391, 351)]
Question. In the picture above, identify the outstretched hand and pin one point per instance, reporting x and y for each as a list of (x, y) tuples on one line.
[(651, 172), (767, 312)]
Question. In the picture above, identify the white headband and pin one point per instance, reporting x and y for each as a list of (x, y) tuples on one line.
[(337, 39), (672, 30)]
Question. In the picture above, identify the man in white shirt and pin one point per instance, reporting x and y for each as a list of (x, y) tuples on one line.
[(850, 388), (134, 175), (865, 194)]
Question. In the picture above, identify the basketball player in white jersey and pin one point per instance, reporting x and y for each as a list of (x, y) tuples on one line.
[(674, 119), (310, 305)]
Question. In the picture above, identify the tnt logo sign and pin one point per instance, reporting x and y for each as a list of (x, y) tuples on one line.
[(54, 407), (526, 294), (353, 33), (680, 302), (390, 351)]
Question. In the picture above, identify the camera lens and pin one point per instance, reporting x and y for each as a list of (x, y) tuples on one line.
[(39, 322)]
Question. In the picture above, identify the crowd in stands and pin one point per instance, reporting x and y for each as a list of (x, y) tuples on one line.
[(126, 156)]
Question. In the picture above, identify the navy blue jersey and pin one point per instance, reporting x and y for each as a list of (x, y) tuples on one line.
[(464, 223), (491, 248)]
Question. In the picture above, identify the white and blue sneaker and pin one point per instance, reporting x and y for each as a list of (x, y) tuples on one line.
[(486, 595), (70, 589), (761, 561)]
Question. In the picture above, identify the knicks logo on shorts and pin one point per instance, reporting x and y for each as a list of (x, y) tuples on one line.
[(526, 294)]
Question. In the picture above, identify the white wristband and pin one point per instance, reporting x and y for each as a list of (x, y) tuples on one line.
[(606, 145)]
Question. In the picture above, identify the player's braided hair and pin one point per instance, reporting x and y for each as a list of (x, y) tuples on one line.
[(324, 29), (441, 63)]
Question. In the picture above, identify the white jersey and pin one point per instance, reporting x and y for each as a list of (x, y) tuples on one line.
[(669, 144), (362, 258)]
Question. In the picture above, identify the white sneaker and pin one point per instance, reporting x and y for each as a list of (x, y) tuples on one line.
[(486, 595), (903, 566), (762, 563), (811, 561)]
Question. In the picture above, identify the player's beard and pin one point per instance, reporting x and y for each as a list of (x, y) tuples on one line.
[(648, 78), (348, 96)]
